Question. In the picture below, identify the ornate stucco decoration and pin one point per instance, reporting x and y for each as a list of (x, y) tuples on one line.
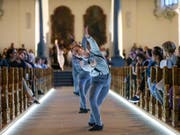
[(163, 10)]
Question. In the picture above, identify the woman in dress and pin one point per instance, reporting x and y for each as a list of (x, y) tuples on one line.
[(60, 55)]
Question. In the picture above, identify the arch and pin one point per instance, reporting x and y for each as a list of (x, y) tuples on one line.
[(96, 20), (62, 24)]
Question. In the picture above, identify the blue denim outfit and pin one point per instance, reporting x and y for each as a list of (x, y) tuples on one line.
[(84, 84), (152, 86), (75, 73), (84, 80), (154, 91), (101, 80)]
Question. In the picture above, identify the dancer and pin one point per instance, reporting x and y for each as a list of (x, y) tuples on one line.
[(95, 63), (60, 55), (84, 79)]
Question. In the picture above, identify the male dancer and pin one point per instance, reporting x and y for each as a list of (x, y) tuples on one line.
[(96, 64)]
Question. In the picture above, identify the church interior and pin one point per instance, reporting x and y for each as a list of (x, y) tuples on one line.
[(40, 68)]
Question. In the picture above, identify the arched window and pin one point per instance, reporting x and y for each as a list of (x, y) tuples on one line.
[(96, 20), (62, 24)]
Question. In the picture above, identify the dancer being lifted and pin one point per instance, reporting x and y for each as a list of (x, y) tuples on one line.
[(60, 55)]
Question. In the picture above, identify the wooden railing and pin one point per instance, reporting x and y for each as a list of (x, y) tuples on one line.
[(13, 99), (170, 78)]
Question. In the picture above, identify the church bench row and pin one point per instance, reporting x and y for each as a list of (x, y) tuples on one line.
[(13, 99), (170, 78)]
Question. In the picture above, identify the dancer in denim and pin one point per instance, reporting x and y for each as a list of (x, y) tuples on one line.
[(75, 73), (96, 64), (84, 83), (83, 80), (101, 80), (76, 68)]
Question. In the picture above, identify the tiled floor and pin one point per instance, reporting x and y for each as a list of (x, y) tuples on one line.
[(58, 115)]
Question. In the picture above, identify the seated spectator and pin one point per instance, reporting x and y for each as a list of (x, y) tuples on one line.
[(178, 51), (131, 58), (157, 56), (10, 60), (131, 61), (31, 96), (4, 53), (31, 56), (148, 53), (170, 58), (20, 59), (169, 61), (16, 60), (141, 61), (44, 63), (38, 62)]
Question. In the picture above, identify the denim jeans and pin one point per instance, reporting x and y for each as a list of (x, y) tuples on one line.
[(154, 91), (75, 75), (84, 85), (99, 89)]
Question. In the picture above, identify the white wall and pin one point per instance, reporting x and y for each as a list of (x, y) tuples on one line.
[(78, 8), (17, 25), (139, 24), (142, 27)]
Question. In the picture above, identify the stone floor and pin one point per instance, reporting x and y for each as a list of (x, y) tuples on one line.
[(58, 115)]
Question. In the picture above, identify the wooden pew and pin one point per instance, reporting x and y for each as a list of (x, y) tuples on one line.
[(0, 98), (167, 77), (130, 83), (149, 103), (176, 97), (13, 98), (4, 96), (113, 78), (25, 99), (142, 95), (120, 81), (11, 92), (146, 93), (16, 92), (133, 83), (152, 99), (115, 74), (158, 108), (31, 79), (21, 90), (125, 85)]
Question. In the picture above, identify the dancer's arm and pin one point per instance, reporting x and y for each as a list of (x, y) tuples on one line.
[(93, 45), (57, 47)]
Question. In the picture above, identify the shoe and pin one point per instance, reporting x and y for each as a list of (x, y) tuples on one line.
[(36, 101), (40, 92), (134, 99), (91, 124), (96, 128), (84, 110), (76, 93)]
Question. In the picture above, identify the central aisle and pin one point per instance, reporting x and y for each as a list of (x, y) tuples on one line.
[(58, 115)]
